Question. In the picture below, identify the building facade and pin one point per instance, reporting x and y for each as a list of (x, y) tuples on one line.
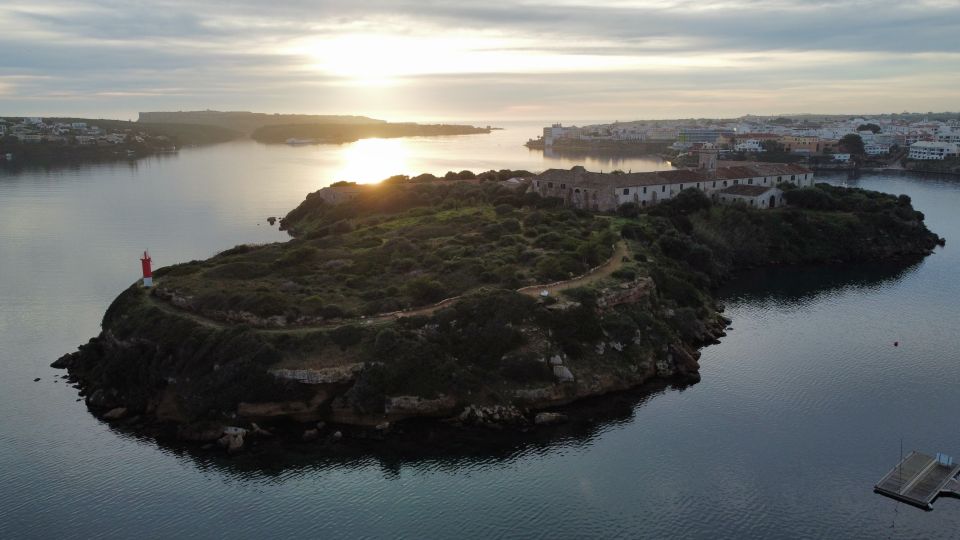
[(928, 150), (604, 192)]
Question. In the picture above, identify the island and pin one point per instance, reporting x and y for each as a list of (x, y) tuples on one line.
[(346, 133), (52, 142), (471, 300)]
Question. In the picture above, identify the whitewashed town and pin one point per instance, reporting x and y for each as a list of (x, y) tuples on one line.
[(883, 137), (26, 138)]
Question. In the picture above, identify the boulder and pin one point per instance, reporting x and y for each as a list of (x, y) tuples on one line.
[(115, 413), (64, 361), (232, 441), (259, 431), (310, 435), (203, 432), (547, 418), (492, 416)]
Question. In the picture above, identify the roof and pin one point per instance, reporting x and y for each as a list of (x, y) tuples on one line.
[(729, 170), (746, 190)]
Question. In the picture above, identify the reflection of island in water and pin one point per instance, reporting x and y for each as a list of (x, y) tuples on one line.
[(415, 442), (447, 446), (799, 285)]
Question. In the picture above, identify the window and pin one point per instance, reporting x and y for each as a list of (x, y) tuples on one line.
[(779, 179), (537, 183), (736, 182), (549, 184), (724, 184), (681, 187), (714, 183), (563, 186), (764, 180), (663, 189), (750, 181), (644, 189), (698, 185), (793, 177), (626, 191)]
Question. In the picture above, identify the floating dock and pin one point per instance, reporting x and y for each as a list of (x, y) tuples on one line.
[(919, 479)]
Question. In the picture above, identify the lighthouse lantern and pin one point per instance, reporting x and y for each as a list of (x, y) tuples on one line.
[(147, 273)]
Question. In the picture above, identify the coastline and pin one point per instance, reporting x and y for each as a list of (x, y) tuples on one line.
[(133, 329)]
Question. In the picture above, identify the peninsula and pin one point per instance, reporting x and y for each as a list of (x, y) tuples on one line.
[(480, 299)]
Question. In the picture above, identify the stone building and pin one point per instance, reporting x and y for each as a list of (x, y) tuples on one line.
[(607, 191)]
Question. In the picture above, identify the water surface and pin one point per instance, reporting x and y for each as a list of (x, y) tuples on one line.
[(801, 409)]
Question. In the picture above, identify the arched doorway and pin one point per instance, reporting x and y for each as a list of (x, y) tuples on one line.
[(773, 201)]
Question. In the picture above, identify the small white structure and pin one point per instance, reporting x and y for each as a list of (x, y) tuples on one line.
[(841, 158), (755, 196), (876, 149), (749, 145), (928, 150)]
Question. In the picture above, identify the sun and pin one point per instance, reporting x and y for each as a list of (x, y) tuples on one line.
[(374, 60), (372, 160)]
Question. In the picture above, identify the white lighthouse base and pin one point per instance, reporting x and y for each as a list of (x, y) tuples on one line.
[(148, 282)]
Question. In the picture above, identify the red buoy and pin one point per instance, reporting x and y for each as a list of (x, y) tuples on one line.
[(147, 273)]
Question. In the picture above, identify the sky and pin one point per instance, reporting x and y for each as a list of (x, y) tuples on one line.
[(556, 60)]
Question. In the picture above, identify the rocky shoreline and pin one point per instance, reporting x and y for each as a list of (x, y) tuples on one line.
[(496, 359), (324, 415)]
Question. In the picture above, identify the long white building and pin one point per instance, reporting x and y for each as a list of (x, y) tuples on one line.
[(927, 150)]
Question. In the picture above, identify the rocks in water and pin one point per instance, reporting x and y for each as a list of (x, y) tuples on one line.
[(548, 418), (37, 379), (337, 435), (203, 432), (492, 416), (383, 426), (271, 220), (233, 439), (100, 399), (64, 361), (310, 435), (115, 413), (259, 431), (403, 406)]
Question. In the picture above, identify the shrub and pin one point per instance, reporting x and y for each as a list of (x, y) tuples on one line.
[(238, 270), (346, 335), (425, 291), (298, 256)]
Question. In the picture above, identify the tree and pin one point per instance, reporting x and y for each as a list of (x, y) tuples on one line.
[(852, 144), (869, 127)]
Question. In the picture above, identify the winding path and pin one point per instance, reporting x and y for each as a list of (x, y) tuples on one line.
[(611, 265)]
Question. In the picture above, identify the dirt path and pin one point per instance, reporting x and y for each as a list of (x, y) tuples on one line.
[(614, 263)]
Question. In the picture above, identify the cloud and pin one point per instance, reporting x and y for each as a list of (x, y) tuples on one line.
[(445, 58)]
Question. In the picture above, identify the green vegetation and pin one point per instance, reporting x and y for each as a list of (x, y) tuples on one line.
[(400, 245), (344, 133), (852, 144), (410, 242)]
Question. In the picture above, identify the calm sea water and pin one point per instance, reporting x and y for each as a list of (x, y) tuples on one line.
[(801, 408)]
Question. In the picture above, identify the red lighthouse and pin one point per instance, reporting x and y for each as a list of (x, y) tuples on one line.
[(147, 273)]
